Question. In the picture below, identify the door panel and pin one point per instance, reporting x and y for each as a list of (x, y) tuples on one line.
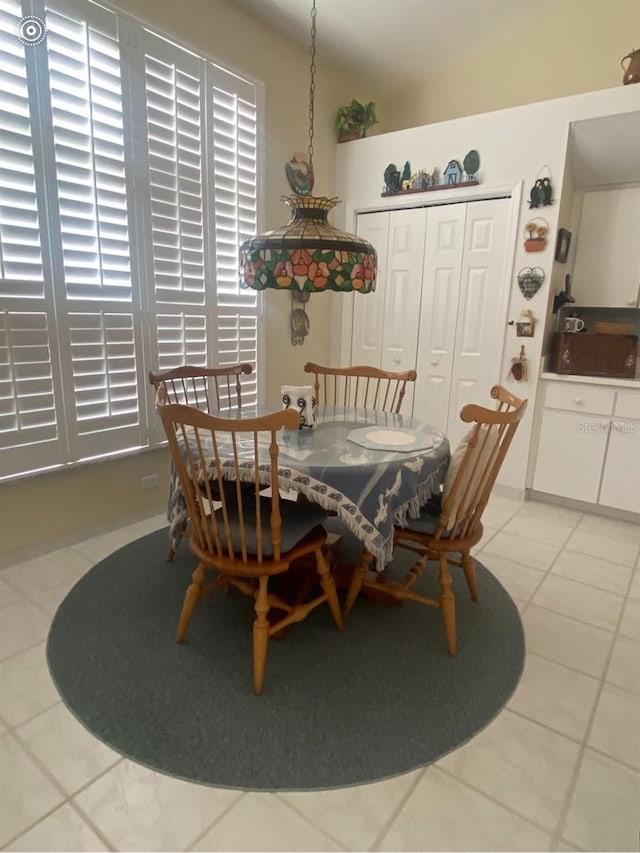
[(402, 302), (368, 308), (440, 292), (481, 307), (385, 323)]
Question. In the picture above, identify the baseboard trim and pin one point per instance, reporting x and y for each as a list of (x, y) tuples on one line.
[(509, 492), (583, 506)]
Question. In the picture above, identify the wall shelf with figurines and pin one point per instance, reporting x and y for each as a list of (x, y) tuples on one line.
[(454, 175)]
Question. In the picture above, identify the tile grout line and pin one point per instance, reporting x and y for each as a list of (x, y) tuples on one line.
[(377, 841), (67, 798), (279, 796), (573, 782), (531, 821)]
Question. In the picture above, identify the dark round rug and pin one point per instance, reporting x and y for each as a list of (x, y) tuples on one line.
[(343, 708)]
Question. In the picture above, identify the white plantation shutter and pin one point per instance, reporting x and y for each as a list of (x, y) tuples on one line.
[(21, 267), (30, 391), (175, 169), (235, 132), (102, 355), (88, 138), (181, 339), (174, 111), (28, 417), (202, 316), (128, 175)]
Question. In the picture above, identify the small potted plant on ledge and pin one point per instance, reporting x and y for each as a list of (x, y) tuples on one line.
[(354, 120)]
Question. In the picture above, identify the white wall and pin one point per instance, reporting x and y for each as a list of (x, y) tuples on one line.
[(565, 47), (514, 147)]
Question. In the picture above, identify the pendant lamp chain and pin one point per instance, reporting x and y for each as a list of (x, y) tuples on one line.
[(312, 87), (308, 253)]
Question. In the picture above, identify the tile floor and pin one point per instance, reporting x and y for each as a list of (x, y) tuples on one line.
[(558, 769)]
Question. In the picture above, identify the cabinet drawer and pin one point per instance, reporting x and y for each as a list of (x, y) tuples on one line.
[(579, 397), (628, 403)]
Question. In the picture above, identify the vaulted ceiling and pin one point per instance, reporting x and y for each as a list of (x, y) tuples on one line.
[(394, 43)]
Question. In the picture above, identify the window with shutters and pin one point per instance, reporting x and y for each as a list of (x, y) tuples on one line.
[(128, 179)]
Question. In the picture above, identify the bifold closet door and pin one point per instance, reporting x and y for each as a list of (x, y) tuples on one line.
[(368, 308), (482, 306), (463, 305), (441, 290), (386, 322)]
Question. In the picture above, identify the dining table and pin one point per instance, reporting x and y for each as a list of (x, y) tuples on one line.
[(372, 469)]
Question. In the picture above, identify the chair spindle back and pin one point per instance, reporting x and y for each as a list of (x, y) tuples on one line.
[(360, 386), (210, 451)]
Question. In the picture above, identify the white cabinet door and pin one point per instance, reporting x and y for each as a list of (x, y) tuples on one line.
[(440, 292), (607, 263), (621, 480), (571, 454), (368, 308)]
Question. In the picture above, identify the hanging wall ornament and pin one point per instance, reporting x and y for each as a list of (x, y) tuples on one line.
[(526, 325), (518, 369), (541, 193), (536, 231), (530, 281)]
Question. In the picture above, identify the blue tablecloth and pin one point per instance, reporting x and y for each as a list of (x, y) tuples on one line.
[(369, 489)]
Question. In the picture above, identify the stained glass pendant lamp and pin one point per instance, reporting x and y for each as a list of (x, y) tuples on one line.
[(308, 253)]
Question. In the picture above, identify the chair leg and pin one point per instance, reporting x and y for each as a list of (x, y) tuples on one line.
[(172, 550), (260, 636), (359, 574), (329, 587), (469, 569), (448, 605), (194, 591)]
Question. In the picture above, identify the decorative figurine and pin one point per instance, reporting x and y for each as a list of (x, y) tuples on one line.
[(299, 174), (471, 165), (299, 317), (391, 178), (453, 173), (396, 182)]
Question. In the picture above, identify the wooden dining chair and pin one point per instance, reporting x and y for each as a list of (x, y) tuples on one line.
[(249, 538), (453, 524), (360, 386), (212, 389)]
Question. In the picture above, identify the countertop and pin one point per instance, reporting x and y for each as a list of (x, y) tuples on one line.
[(591, 380)]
